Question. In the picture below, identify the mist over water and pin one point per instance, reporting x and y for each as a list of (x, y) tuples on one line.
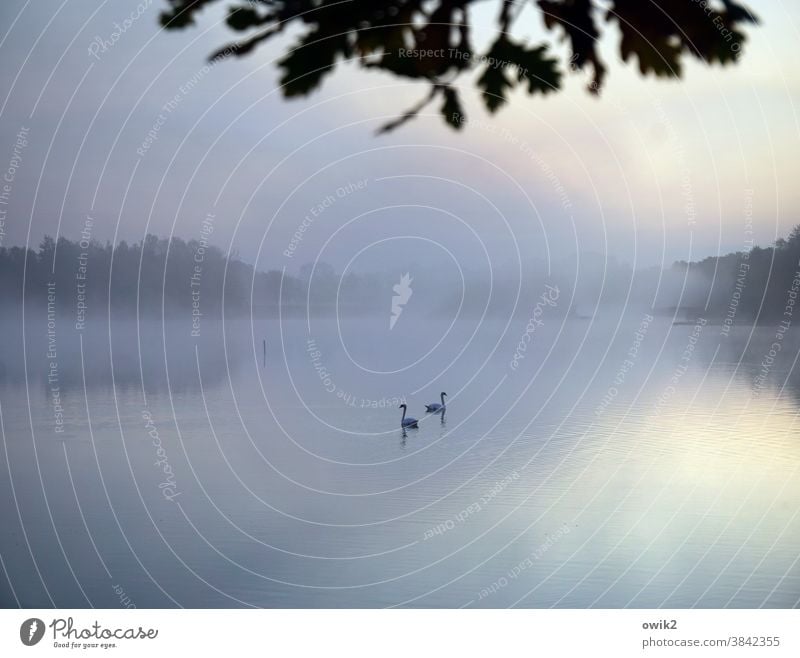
[(608, 459), (228, 286)]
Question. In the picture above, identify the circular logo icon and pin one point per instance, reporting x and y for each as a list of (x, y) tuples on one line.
[(31, 631)]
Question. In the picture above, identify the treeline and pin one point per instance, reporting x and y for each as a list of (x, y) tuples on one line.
[(758, 285), (174, 273), (755, 285)]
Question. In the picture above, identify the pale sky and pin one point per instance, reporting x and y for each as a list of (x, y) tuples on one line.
[(651, 172)]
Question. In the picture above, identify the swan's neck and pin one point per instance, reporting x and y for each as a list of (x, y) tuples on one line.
[(404, 415), (442, 396)]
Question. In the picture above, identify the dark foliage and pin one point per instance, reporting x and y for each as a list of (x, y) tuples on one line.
[(380, 34), (756, 285)]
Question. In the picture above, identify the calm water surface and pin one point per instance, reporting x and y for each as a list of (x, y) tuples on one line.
[(618, 462)]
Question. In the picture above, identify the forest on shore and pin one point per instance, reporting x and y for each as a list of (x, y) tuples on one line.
[(176, 273), (158, 274), (759, 284)]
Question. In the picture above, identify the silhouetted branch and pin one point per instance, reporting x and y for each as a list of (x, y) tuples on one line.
[(428, 40)]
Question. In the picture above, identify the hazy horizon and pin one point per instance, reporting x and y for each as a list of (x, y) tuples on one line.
[(653, 171), (258, 352)]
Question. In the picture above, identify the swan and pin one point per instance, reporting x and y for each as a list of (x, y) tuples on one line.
[(435, 406), (407, 422)]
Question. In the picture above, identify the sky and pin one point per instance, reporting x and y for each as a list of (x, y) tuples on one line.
[(651, 172)]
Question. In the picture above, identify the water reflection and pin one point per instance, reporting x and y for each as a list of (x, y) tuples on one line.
[(680, 490)]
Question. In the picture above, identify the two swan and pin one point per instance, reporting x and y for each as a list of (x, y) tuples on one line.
[(434, 407)]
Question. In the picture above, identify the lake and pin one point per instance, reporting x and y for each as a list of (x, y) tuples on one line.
[(618, 460)]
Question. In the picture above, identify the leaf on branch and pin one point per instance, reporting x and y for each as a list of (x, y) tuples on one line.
[(182, 13), (495, 84), (576, 19), (655, 55), (390, 34), (452, 111), (435, 35), (434, 52), (532, 66), (244, 18), (739, 13), (541, 72), (658, 38), (313, 57)]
